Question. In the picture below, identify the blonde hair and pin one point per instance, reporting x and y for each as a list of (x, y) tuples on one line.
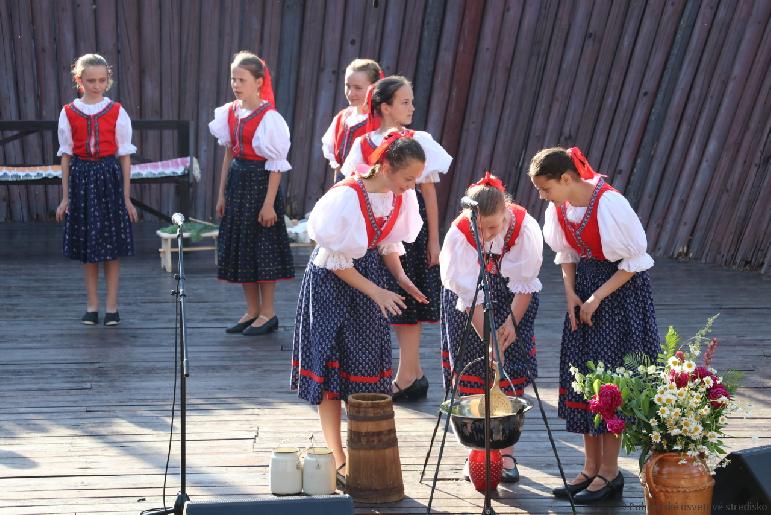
[(368, 66), (249, 62), (86, 60)]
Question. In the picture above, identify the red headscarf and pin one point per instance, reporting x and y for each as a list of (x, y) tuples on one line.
[(377, 155), (373, 120), (582, 165), (266, 91), (490, 180)]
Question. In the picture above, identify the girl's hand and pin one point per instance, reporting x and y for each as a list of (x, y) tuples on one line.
[(132, 211), (413, 290), (267, 216), (62, 209), (220, 209), (507, 334), (574, 301), (390, 303), (432, 252), (588, 308)]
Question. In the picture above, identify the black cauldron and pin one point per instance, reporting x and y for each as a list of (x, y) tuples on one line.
[(470, 429)]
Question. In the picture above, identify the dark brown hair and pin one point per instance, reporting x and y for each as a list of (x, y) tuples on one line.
[(551, 163), (398, 154), (249, 62), (385, 89), (370, 67)]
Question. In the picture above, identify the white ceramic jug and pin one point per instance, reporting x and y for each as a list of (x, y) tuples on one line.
[(319, 472), (286, 473)]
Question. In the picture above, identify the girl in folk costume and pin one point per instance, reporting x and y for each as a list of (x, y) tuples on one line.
[(95, 146), (513, 249), (601, 247), (391, 103), (351, 122), (253, 247), (342, 342)]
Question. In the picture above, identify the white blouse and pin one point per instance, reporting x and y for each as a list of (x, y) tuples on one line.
[(459, 263), (437, 159), (271, 139), (122, 128), (622, 234), (337, 226), (328, 139)]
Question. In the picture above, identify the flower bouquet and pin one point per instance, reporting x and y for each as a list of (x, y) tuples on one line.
[(676, 406)]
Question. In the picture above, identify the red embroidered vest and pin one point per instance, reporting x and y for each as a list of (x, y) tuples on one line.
[(463, 224), (93, 136), (584, 236), (345, 135), (377, 227), (242, 130)]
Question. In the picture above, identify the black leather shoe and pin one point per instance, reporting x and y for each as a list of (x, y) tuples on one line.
[(611, 489), (268, 327), (90, 318), (111, 319), (510, 475), (240, 326), (416, 391), (562, 492)]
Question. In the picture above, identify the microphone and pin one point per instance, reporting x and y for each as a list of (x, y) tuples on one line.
[(177, 219), (468, 203)]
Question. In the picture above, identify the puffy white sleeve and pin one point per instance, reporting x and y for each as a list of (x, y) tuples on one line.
[(219, 126), (555, 238), (271, 140), (623, 236), (354, 158), (123, 134), (438, 161), (459, 268), (65, 134), (522, 263), (328, 145), (337, 227), (407, 226)]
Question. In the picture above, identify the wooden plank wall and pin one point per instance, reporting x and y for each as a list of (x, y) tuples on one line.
[(670, 98)]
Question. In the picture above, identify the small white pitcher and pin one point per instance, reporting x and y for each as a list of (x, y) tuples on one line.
[(286, 471), (319, 472)]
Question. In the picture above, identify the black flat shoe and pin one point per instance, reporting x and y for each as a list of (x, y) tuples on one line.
[(562, 492), (416, 391), (90, 318), (611, 489), (268, 327), (240, 326), (340, 478), (510, 475), (111, 319)]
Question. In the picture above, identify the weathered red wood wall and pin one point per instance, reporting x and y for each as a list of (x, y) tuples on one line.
[(670, 98)]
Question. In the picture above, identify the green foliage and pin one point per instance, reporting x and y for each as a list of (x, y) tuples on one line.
[(192, 229)]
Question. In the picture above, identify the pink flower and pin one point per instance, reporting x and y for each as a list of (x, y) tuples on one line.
[(715, 393), (616, 425), (679, 378), (710, 351), (680, 355), (702, 372), (610, 397)]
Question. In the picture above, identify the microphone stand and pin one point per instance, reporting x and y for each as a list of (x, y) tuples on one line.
[(184, 373)]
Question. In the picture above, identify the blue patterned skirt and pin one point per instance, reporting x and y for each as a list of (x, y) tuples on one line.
[(519, 359), (426, 279), (624, 323), (342, 343), (247, 252), (97, 227)]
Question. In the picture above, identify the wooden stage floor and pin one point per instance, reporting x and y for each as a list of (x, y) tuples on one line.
[(85, 411)]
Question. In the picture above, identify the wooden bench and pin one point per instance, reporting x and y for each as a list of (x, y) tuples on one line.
[(168, 246)]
